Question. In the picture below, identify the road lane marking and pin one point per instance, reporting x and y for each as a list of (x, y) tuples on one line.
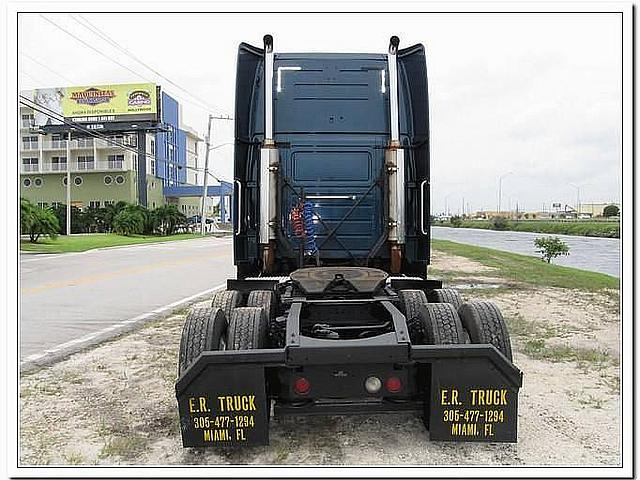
[(118, 326), (74, 282)]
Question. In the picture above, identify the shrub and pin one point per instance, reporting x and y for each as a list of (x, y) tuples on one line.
[(550, 247), (455, 221), (128, 222), (167, 219), (499, 223)]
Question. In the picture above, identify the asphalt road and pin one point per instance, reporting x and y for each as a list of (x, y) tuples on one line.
[(69, 297)]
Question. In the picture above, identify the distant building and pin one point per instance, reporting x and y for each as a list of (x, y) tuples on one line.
[(105, 169)]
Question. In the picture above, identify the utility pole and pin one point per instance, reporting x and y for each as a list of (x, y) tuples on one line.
[(203, 217), (206, 177), (68, 184)]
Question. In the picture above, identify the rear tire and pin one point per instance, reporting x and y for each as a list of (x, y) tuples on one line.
[(446, 295), (247, 329), (204, 330), (441, 324), (485, 324), (411, 302), (266, 299), (227, 300)]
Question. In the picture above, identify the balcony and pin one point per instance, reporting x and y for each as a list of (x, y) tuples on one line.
[(30, 145), (76, 167), (48, 144)]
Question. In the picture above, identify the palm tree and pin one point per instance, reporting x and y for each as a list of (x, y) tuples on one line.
[(110, 213), (168, 218)]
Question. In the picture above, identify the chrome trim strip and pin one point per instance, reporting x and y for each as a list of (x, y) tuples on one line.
[(239, 210)]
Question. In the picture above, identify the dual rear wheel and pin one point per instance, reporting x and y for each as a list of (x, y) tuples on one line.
[(444, 319), (226, 325)]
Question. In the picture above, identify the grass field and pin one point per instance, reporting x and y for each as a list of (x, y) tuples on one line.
[(81, 243), (526, 269), (581, 227)]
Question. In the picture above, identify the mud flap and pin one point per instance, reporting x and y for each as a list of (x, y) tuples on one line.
[(472, 400), (225, 405)]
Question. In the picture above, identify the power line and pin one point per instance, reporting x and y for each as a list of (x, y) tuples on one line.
[(56, 116), (93, 28), (45, 66), (30, 76), (92, 47)]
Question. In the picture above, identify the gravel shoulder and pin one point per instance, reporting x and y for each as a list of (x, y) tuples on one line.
[(115, 404)]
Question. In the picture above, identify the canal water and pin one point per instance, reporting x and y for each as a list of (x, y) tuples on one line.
[(587, 253)]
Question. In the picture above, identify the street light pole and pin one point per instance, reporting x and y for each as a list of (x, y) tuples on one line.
[(500, 189), (206, 177), (577, 199), (446, 203), (68, 226)]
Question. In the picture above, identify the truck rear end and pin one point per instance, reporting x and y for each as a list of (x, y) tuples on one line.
[(332, 311)]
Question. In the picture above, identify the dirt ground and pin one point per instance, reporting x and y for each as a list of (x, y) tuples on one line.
[(115, 404)]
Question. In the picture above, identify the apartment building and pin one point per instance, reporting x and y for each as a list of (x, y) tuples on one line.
[(106, 169)]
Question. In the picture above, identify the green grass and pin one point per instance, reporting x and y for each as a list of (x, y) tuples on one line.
[(538, 348), (82, 242), (587, 228), (526, 269)]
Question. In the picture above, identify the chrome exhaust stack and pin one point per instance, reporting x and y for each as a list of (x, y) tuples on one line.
[(268, 165), (394, 160)]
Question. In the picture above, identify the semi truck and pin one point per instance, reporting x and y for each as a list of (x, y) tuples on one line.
[(332, 311)]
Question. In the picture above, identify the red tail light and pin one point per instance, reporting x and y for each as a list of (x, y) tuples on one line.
[(302, 386), (393, 384)]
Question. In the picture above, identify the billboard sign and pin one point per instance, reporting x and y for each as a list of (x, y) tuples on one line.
[(131, 102)]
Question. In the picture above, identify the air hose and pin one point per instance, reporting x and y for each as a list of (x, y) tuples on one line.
[(303, 226)]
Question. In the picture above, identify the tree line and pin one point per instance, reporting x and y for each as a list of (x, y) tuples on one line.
[(121, 217)]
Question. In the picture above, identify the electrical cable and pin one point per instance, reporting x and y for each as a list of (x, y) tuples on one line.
[(93, 28), (45, 66), (56, 116)]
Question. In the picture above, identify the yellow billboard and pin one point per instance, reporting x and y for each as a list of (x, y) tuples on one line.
[(110, 103)]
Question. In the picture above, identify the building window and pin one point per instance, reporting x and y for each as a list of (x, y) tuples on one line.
[(26, 182), (94, 204), (30, 164), (115, 161), (38, 182), (43, 205), (30, 142), (85, 162), (108, 180), (27, 120), (153, 167), (56, 204), (109, 202), (132, 140), (135, 162), (58, 164), (119, 179), (58, 141), (77, 181), (152, 147)]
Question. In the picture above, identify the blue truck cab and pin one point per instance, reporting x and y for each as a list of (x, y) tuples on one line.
[(331, 311), (348, 139)]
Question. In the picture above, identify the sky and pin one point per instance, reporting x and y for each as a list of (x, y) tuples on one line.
[(532, 98)]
